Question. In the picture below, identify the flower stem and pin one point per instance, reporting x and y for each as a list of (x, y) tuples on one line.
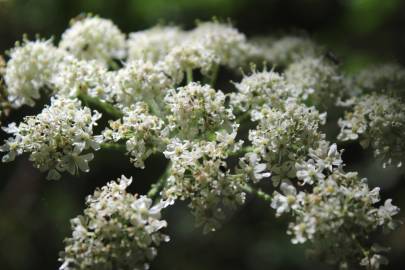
[(214, 76), (243, 117), (158, 186), (100, 105), (114, 146), (189, 73), (257, 192), (5, 106), (154, 106), (241, 151)]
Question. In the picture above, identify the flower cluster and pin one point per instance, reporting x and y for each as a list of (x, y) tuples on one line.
[(118, 230), (285, 50), (80, 76), (154, 44), (94, 38), (199, 172), (30, 68), (57, 140), (284, 136), (196, 109), (384, 79), (143, 133), (318, 81), (377, 121), (187, 57), (139, 81), (158, 59), (265, 87), (159, 88), (227, 43), (338, 204), (208, 45)]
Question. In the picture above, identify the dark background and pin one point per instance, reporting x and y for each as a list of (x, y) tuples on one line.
[(35, 213)]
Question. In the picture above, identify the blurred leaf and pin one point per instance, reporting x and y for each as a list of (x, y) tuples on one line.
[(365, 16)]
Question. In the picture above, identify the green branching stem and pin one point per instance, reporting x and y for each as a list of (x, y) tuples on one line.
[(257, 192), (156, 187), (154, 191), (189, 73), (243, 117), (214, 75), (241, 151), (155, 108), (114, 147), (100, 105), (5, 106)]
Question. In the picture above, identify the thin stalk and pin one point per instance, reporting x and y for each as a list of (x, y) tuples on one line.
[(241, 151), (214, 76), (155, 108), (257, 192), (243, 117), (158, 186), (100, 105), (189, 73), (5, 106), (114, 146)]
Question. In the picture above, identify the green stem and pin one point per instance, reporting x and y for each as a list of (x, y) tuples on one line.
[(243, 150), (113, 65), (114, 146), (243, 117), (257, 192), (158, 186), (100, 105), (214, 76), (5, 106), (189, 73), (155, 108)]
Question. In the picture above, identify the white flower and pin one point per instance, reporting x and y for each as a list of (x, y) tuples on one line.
[(94, 38), (317, 80), (227, 43), (250, 164), (285, 50), (56, 138), (259, 88), (187, 57), (374, 262), (30, 68), (386, 212), (284, 203), (79, 76), (384, 79), (117, 229), (378, 121), (303, 231), (284, 136), (200, 130), (140, 81), (334, 208), (326, 156), (143, 133), (308, 172), (199, 173), (153, 44), (197, 109)]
